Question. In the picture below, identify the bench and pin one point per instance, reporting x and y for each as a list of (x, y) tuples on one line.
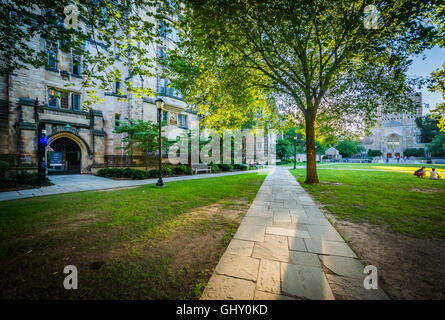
[(196, 167)]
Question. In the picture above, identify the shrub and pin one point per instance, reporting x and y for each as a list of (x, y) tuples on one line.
[(226, 167), (3, 168), (21, 179), (154, 173), (374, 153), (241, 166), (413, 152), (180, 169), (166, 170), (214, 168), (123, 173)]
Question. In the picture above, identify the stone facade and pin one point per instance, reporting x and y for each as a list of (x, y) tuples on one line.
[(395, 132), (27, 98)]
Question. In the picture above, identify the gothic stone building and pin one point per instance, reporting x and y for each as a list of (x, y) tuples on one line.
[(80, 141), (395, 132)]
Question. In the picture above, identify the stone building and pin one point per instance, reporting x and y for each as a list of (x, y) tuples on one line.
[(83, 140), (80, 141), (395, 132)]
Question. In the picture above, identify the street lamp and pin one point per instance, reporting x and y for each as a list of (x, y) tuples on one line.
[(295, 152), (159, 106)]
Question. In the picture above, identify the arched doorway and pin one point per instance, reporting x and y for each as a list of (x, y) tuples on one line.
[(64, 157)]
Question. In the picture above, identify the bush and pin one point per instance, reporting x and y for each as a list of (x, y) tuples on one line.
[(413, 152), (374, 153), (214, 168), (166, 170), (123, 173), (241, 166), (3, 168), (180, 169), (154, 173), (21, 179), (226, 167)]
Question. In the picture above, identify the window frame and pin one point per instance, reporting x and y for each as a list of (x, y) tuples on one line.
[(73, 94), (52, 47)]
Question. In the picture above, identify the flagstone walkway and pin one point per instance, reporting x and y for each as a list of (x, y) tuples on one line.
[(285, 248)]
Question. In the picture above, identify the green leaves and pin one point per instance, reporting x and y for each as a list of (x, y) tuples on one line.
[(140, 137)]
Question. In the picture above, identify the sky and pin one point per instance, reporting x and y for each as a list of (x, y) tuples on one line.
[(434, 58)]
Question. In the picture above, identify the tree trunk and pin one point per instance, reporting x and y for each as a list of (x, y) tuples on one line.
[(311, 165)]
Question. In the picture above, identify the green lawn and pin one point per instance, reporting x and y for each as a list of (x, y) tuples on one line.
[(150, 243), (291, 164), (385, 166), (396, 199)]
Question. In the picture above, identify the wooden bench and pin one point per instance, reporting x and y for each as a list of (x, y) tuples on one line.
[(196, 167)]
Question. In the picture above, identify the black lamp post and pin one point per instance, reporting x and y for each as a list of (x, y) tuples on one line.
[(159, 105), (295, 152)]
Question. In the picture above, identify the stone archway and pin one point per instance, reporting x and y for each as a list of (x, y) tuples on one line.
[(86, 159)]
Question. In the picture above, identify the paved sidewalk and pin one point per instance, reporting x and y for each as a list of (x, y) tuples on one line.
[(88, 182), (285, 248)]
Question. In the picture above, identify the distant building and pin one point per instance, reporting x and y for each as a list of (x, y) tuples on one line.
[(395, 132), (332, 153)]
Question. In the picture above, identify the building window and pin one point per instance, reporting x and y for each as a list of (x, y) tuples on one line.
[(117, 118), (182, 121), (64, 100), (52, 97), (76, 66), (162, 85), (162, 30), (51, 51), (75, 101), (393, 142), (164, 117), (117, 87)]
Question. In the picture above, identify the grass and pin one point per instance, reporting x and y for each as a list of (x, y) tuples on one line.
[(395, 199), (152, 243), (291, 164), (386, 166)]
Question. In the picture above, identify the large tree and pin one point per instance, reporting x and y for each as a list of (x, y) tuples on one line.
[(428, 128), (438, 85), (323, 56)]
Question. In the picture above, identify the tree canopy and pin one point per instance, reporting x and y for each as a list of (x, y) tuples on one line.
[(240, 58), (428, 128)]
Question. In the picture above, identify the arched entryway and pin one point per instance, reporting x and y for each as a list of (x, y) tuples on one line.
[(68, 153), (64, 157)]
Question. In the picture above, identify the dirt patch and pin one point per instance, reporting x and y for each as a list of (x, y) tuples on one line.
[(426, 190), (408, 267), (71, 224), (332, 183)]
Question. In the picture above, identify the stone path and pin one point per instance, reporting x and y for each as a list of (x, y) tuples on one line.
[(285, 248), (88, 182)]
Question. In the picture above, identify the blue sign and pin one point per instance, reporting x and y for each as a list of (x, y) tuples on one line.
[(55, 158), (43, 140)]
